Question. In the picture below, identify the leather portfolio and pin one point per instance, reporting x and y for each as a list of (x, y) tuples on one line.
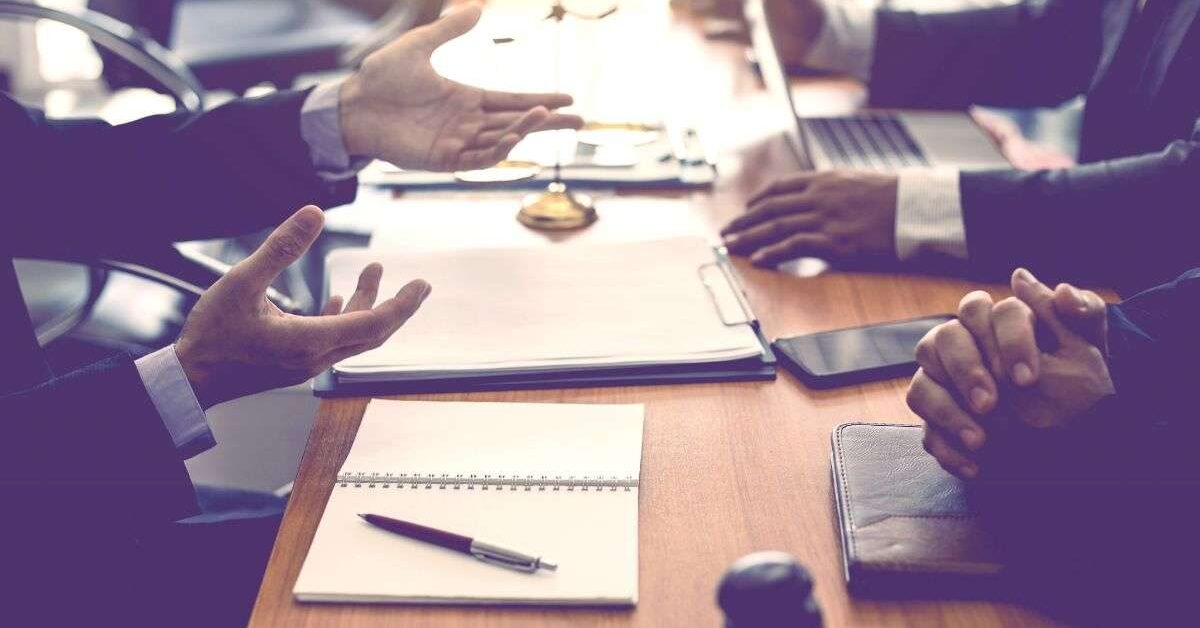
[(906, 525)]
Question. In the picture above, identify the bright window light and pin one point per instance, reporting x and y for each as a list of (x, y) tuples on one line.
[(64, 52)]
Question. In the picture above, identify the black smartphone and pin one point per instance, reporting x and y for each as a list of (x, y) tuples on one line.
[(857, 354)]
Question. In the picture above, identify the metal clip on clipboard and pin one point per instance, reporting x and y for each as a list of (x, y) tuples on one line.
[(729, 298)]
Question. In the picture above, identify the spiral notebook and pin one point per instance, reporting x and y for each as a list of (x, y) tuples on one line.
[(555, 480)]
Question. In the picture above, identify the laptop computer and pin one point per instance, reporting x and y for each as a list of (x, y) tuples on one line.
[(871, 139)]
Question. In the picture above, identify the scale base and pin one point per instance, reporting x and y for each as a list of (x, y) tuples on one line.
[(557, 209)]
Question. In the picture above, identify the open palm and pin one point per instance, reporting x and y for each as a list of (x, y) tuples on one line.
[(399, 109)]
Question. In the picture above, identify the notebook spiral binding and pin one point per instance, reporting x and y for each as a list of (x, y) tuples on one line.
[(486, 482)]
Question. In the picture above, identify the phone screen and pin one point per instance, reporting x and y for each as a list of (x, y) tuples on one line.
[(860, 348)]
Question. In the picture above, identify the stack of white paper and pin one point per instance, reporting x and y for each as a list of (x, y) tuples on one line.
[(537, 309)]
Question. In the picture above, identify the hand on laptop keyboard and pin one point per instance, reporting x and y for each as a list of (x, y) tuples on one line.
[(835, 215)]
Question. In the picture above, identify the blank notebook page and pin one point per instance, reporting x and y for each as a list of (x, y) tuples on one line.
[(568, 493), (550, 307)]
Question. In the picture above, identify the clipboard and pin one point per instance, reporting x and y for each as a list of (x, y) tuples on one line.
[(728, 297)]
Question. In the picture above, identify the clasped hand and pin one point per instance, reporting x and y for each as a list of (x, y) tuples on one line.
[(1038, 357)]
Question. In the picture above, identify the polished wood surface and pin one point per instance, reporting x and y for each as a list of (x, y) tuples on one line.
[(727, 469)]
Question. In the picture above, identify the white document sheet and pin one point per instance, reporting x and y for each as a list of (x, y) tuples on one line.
[(591, 534), (546, 308), (405, 224)]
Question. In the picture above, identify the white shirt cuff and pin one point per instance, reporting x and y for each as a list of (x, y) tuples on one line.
[(847, 41), (929, 216), (321, 128), (172, 396)]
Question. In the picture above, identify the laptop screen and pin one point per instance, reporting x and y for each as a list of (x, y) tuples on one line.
[(775, 77)]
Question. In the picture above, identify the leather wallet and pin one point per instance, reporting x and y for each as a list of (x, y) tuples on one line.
[(906, 525)]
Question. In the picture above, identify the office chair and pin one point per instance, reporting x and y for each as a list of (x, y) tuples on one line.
[(237, 44), (63, 292)]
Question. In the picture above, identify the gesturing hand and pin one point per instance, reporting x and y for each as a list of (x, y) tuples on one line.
[(837, 215), (1019, 151), (235, 342), (989, 360), (399, 109)]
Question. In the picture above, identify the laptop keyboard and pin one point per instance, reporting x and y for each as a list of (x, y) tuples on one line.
[(875, 141)]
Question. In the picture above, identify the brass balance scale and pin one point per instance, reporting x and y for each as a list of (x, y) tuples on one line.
[(558, 208)]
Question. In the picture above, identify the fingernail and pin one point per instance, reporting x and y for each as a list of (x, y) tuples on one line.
[(972, 438), (310, 218), (980, 398), (969, 471), (425, 290), (1022, 374), (1025, 275)]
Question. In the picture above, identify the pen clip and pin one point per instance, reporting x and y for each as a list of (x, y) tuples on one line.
[(505, 558)]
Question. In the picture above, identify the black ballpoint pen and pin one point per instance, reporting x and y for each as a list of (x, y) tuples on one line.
[(485, 552)]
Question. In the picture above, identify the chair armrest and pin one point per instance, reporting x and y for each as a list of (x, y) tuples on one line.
[(190, 272), (124, 41)]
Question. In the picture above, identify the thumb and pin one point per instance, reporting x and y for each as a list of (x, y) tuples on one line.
[(284, 246), (1084, 312), (998, 129), (448, 27)]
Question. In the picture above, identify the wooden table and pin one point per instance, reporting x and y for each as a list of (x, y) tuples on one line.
[(727, 469)]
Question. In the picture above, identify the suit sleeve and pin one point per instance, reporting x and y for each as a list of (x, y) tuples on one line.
[(91, 442), (1153, 342), (86, 187), (1128, 223), (1023, 55), (1148, 430)]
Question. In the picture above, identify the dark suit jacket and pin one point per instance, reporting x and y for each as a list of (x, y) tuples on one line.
[(1153, 340), (1134, 190), (87, 468)]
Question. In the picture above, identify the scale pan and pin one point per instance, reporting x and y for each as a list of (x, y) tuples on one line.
[(612, 133), (502, 172)]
